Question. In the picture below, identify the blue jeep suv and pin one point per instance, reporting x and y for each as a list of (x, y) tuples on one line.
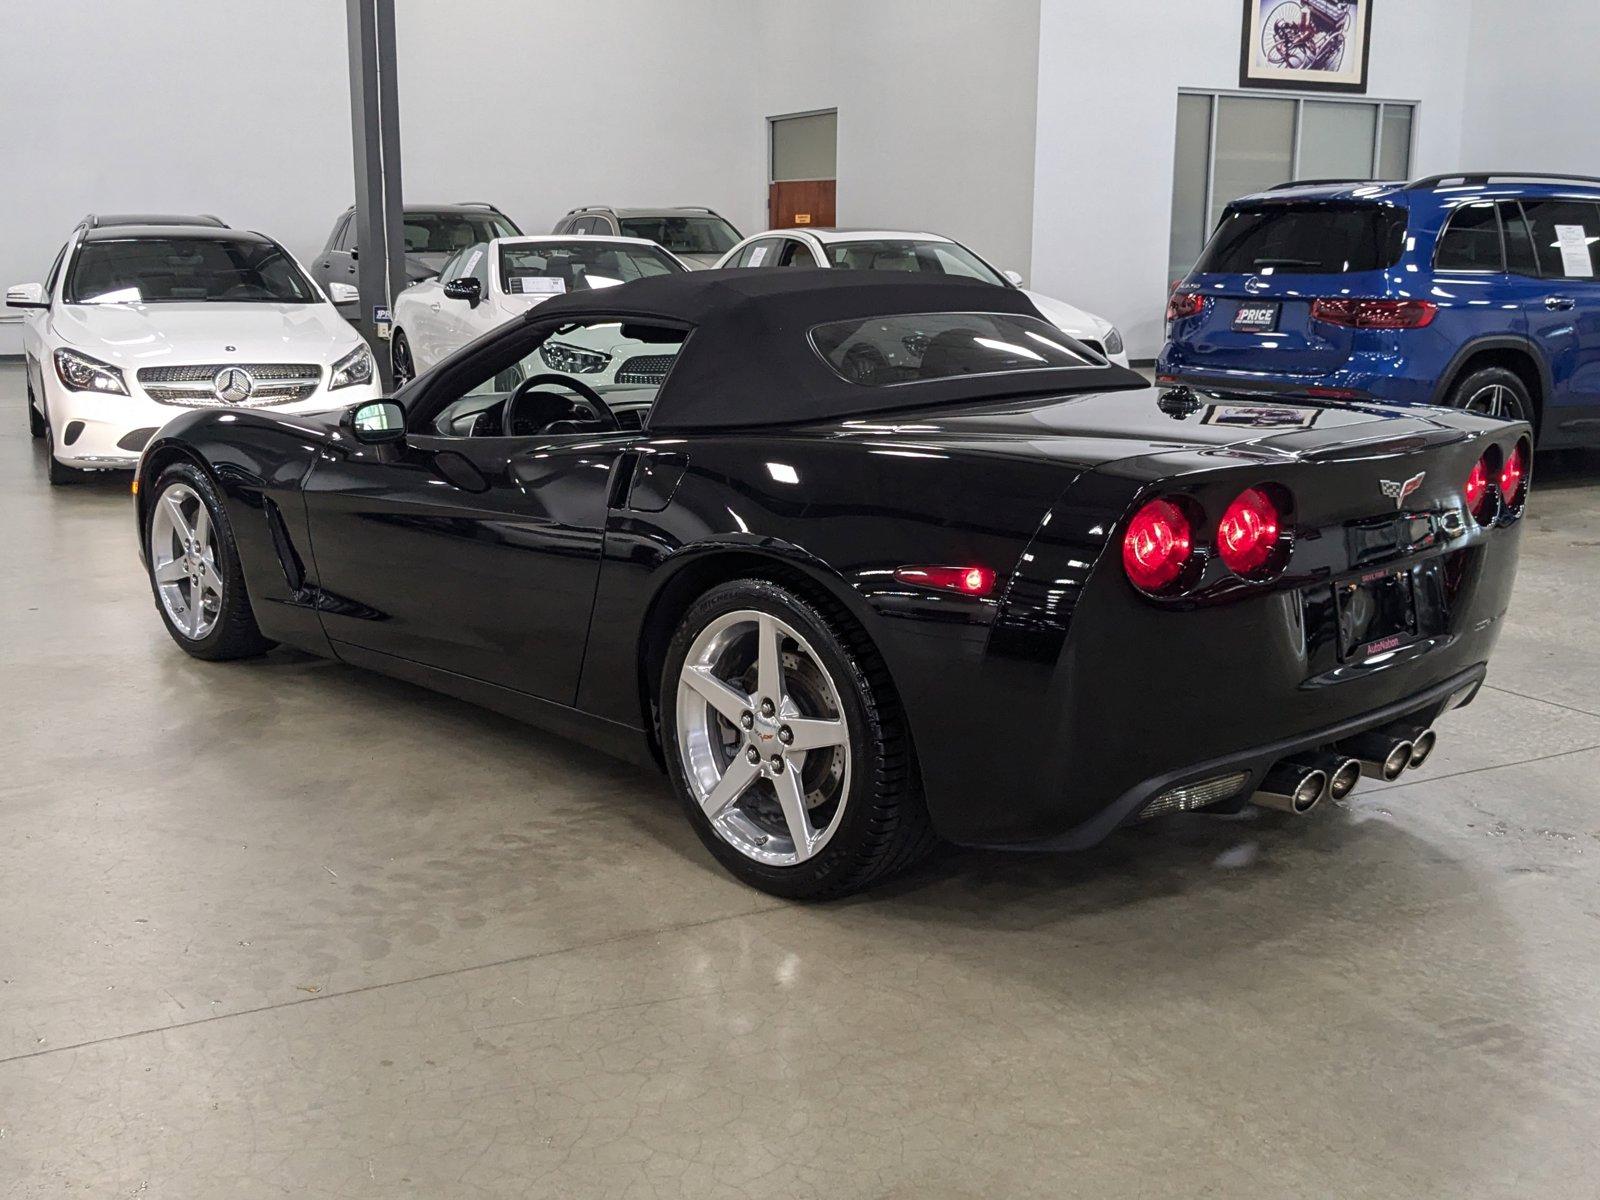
[(1479, 291)]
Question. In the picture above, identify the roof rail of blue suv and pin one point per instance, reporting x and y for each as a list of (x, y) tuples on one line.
[(1478, 289), (1481, 178)]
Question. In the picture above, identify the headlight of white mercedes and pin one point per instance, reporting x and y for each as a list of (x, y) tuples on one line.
[(573, 360), (80, 373), (353, 368), (1113, 342)]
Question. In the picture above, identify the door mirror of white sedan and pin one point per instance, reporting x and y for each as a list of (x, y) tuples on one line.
[(466, 288), (343, 293), (374, 421), (26, 295), (1014, 276)]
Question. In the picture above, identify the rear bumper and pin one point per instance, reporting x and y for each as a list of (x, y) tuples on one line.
[(1346, 383), (1083, 701), (1423, 708)]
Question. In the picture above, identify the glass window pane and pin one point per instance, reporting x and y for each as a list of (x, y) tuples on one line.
[(1471, 242), (1395, 154), (882, 351), (1255, 148), (1564, 234), (1189, 224), (1336, 140), (805, 147), (1520, 258)]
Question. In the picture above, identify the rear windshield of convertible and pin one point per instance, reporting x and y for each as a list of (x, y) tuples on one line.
[(881, 351)]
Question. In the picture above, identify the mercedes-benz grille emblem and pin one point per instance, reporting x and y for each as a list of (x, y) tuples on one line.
[(233, 385), (1398, 491)]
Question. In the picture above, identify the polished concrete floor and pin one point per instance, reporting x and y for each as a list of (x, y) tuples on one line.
[(286, 929)]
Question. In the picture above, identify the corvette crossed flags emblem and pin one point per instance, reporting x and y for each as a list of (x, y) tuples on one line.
[(1398, 491)]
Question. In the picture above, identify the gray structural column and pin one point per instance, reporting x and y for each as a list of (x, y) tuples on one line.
[(375, 136)]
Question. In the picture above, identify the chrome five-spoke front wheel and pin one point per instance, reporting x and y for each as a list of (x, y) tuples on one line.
[(184, 560), (762, 737)]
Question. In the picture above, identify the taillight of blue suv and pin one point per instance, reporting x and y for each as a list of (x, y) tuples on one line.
[(1353, 314)]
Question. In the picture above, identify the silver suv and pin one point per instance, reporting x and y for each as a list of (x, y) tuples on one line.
[(696, 235)]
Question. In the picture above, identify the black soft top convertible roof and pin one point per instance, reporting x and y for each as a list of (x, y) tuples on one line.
[(748, 360)]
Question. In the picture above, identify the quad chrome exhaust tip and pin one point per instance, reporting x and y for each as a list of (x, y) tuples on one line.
[(1422, 746), (1384, 755), (1292, 787), (1343, 771)]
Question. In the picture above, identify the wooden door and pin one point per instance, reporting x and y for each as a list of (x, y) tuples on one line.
[(801, 202)]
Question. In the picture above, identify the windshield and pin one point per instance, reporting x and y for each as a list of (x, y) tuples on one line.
[(920, 346), (545, 268), (683, 235), (177, 270), (1305, 239), (909, 254), (447, 232)]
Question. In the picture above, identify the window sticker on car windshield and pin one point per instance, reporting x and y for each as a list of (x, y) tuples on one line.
[(472, 261), (534, 285), (756, 256), (1574, 243)]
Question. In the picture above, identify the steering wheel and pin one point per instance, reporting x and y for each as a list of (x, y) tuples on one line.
[(584, 395)]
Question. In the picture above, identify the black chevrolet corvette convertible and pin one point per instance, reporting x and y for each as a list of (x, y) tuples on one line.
[(863, 562)]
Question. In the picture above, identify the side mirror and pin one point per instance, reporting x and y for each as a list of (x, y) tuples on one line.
[(1014, 277), (354, 254), (466, 288), (374, 422), (343, 293), (26, 295)]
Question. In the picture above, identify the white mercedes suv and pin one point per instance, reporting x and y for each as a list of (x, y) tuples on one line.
[(897, 250), (144, 316)]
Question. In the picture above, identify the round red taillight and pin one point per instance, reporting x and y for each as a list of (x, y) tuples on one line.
[(1158, 546), (1514, 475), (1478, 494), (1248, 533)]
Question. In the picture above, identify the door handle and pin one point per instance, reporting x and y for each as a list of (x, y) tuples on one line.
[(434, 306), (1558, 303)]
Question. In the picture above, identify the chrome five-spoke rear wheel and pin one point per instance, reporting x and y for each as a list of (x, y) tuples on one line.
[(785, 741), (762, 738)]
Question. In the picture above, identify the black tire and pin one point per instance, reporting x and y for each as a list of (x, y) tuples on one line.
[(36, 425), (235, 634), (884, 825), (59, 474), (1497, 386), (401, 365)]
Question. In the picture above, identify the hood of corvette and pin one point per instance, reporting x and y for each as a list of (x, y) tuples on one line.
[(151, 335)]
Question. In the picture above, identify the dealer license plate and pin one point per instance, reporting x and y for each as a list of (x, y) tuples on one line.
[(1258, 316)]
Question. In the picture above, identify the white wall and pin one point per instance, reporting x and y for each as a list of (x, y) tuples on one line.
[(146, 108), (241, 107), (936, 106), (543, 105), (1531, 104), (1107, 109), (1039, 131)]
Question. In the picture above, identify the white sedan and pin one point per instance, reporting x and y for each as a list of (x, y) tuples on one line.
[(143, 317), (897, 250), (486, 285)]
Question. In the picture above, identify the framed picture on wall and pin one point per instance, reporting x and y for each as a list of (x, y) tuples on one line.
[(1319, 45)]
